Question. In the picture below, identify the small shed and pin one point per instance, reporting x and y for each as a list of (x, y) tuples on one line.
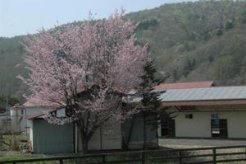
[(113, 135), (52, 139)]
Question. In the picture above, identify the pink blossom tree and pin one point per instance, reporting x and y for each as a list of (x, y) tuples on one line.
[(87, 69)]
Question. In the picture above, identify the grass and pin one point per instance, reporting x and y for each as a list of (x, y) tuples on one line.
[(13, 155), (12, 142)]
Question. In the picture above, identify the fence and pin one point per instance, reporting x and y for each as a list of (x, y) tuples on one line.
[(212, 155)]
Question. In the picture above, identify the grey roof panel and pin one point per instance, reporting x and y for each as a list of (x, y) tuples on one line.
[(213, 93)]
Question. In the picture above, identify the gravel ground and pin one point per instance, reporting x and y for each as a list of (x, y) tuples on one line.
[(191, 143)]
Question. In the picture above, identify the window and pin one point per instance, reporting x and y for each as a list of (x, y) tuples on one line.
[(168, 127), (189, 116), (215, 116), (215, 124)]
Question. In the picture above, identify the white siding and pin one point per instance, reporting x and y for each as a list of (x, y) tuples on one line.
[(33, 110), (61, 112), (30, 125)]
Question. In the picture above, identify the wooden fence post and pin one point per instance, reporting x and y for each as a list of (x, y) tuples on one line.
[(103, 159), (245, 151), (214, 156), (180, 156), (143, 157)]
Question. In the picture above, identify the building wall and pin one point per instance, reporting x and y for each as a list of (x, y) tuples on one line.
[(200, 124), (236, 122), (105, 138), (133, 130), (19, 117), (50, 139)]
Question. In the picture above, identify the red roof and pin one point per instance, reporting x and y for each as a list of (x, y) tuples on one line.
[(184, 85)]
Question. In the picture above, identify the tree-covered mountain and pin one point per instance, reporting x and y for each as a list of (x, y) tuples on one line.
[(204, 40), (11, 65)]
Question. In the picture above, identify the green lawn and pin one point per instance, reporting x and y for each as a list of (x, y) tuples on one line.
[(12, 142), (12, 155)]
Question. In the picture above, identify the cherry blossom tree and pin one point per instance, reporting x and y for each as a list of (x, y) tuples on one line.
[(87, 69)]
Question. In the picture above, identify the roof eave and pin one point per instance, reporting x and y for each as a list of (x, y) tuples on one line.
[(204, 102)]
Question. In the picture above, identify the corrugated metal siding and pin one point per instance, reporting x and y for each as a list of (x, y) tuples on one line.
[(51, 139), (216, 93)]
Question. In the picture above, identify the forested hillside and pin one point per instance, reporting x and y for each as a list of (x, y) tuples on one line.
[(197, 41), (188, 41), (11, 65)]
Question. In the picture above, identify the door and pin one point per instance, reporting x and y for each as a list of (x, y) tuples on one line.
[(168, 128), (223, 128), (219, 128)]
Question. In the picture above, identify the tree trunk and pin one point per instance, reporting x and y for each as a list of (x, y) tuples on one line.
[(128, 135), (84, 145), (83, 137)]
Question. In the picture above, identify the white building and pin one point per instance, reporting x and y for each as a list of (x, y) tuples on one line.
[(212, 112)]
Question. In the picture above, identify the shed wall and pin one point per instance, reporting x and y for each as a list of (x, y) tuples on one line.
[(107, 137), (135, 134), (50, 139)]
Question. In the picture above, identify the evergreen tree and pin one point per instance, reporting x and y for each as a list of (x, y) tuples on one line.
[(151, 103)]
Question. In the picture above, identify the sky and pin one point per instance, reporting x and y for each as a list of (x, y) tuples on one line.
[(21, 17)]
